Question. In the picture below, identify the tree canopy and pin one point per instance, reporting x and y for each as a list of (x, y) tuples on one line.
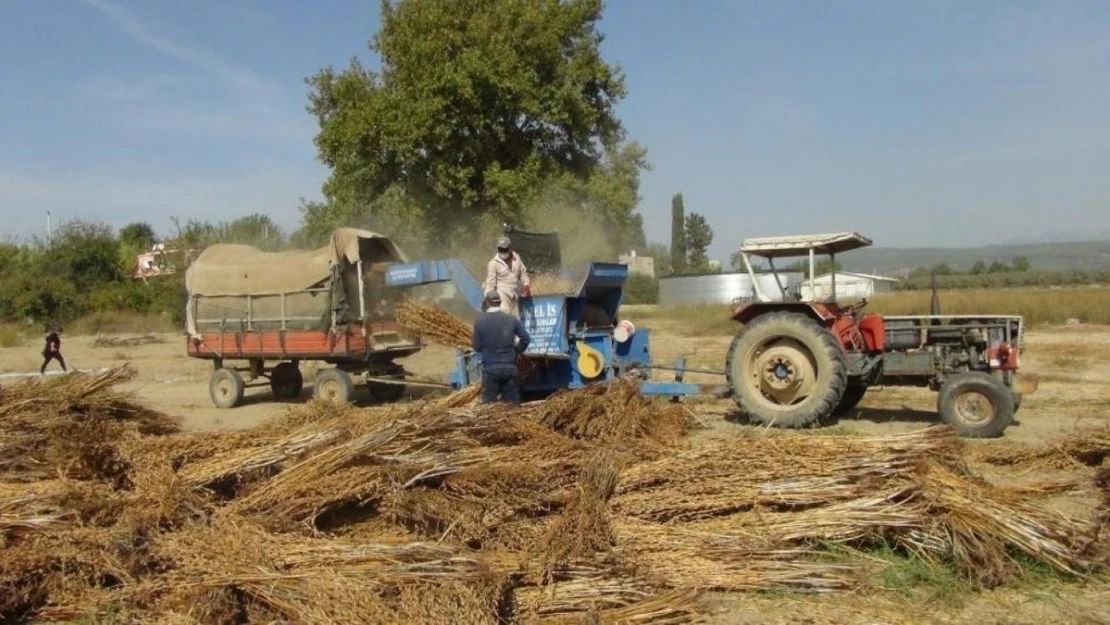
[(480, 108), (698, 238)]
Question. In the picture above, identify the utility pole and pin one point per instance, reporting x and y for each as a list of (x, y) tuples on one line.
[(48, 233)]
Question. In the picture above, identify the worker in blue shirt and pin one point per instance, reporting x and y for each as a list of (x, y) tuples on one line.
[(495, 338)]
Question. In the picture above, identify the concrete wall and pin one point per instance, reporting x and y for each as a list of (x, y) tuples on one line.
[(721, 288), (638, 264), (848, 287)]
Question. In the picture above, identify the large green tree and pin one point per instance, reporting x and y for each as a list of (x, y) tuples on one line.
[(479, 106), (678, 234), (137, 236), (86, 252), (698, 238)]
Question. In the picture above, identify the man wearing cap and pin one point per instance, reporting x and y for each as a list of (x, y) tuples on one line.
[(495, 338), (507, 275)]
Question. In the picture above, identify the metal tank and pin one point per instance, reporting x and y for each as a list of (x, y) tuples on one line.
[(720, 288)]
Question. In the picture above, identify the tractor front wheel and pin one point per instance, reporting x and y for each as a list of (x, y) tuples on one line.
[(333, 385), (226, 388), (853, 393), (386, 393), (286, 381), (977, 404), (787, 370)]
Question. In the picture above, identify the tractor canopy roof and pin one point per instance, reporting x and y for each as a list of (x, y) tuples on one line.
[(800, 245)]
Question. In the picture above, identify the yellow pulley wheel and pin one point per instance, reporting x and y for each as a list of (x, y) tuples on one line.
[(590, 361)]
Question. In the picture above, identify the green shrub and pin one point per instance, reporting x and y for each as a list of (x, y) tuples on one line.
[(10, 335), (641, 289)]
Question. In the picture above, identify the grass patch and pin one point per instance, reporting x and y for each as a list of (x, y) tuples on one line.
[(120, 323), (10, 335), (691, 320), (913, 578), (1039, 306)]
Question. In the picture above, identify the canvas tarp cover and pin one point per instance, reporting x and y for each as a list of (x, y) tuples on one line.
[(221, 278)]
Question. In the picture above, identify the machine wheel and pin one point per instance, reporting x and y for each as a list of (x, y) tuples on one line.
[(226, 388), (853, 393), (386, 393), (286, 381), (786, 370), (1017, 401), (977, 404), (333, 385)]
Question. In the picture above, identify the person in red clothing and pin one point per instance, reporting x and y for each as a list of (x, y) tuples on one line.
[(53, 350)]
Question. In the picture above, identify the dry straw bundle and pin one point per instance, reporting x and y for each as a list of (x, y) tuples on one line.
[(588, 506), (551, 284), (434, 324)]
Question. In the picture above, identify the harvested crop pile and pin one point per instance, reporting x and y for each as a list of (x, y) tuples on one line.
[(438, 326), (438, 511), (1088, 446), (434, 324), (72, 425), (127, 341), (550, 284)]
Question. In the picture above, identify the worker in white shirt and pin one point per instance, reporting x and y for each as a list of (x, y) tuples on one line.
[(507, 275)]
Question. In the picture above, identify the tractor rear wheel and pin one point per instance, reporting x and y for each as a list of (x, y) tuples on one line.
[(384, 392), (787, 370), (977, 404), (226, 388), (333, 385), (853, 393), (286, 381)]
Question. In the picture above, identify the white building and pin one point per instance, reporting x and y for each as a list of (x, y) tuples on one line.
[(638, 264), (849, 286)]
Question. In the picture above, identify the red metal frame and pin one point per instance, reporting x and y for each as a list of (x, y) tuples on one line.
[(351, 345), (842, 325)]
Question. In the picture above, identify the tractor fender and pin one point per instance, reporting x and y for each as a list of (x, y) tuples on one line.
[(818, 312), (842, 326)]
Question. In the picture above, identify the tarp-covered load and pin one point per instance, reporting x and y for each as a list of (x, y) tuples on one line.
[(232, 285)]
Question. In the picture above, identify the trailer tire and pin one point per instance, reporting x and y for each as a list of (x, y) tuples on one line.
[(780, 352), (977, 404), (385, 393), (333, 385), (853, 393), (286, 381), (226, 388)]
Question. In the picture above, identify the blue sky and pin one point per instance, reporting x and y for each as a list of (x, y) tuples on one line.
[(940, 123)]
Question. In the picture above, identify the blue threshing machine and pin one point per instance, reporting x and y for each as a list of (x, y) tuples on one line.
[(577, 340)]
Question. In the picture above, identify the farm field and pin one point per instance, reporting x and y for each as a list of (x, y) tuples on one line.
[(1073, 364)]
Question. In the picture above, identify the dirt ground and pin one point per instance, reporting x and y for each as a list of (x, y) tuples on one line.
[(1073, 364)]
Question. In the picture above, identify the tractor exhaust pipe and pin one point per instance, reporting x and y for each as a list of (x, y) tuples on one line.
[(934, 302)]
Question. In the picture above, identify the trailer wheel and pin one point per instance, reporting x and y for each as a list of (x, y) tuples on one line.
[(286, 381), (333, 385), (977, 404), (853, 393), (386, 393), (786, 370), (226, 388)]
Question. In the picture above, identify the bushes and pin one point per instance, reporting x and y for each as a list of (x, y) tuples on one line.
[(1012, 279), (1038, 306), (641, 289)]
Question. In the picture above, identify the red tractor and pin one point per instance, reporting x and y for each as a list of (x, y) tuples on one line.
[(802, 357)]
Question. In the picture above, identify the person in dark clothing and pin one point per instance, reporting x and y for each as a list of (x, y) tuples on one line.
[(53, 350), (495, 338)]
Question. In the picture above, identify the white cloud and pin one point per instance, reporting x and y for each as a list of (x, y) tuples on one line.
[(222, 99), (239, 77)]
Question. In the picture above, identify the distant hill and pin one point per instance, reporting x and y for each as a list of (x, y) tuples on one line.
[(1089, 255)]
